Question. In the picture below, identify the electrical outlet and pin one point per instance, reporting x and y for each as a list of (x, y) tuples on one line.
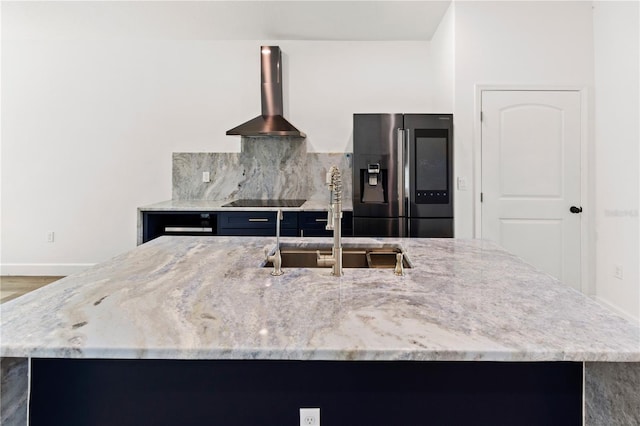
[(617, 271), (309, 417), (206, 177), (50, 236)]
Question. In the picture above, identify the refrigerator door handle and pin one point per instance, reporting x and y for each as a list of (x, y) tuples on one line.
[(407, 178), (400, 173)]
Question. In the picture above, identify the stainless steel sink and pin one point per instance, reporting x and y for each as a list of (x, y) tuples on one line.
[(307, 257)]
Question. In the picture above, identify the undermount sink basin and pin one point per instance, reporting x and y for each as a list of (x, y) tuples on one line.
[(352, 257)]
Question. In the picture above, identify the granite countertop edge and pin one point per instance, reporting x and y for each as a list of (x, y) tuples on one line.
[(320, 355), (217, 205)]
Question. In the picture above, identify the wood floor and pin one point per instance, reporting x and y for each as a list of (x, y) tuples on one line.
[(15, 286)]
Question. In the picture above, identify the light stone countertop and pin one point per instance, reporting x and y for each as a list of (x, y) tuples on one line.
[(216, 205), (209, 298)]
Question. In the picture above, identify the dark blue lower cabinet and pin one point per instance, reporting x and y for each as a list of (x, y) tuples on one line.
[(300, 224), (269, 392), (256, 223), (239, 223)]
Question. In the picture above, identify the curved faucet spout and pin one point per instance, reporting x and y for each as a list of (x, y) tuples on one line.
[(276, 259), (334, 220)]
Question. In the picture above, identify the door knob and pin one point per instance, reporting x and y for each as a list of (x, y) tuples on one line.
[(575, 209)]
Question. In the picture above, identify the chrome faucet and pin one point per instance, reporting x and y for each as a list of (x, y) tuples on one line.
[(334, 222), (276, 259)]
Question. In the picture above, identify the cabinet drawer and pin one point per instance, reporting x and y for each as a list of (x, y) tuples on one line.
[(256, 220), (316, 220)]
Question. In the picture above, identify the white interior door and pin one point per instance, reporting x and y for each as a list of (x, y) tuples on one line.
[(531, 177)]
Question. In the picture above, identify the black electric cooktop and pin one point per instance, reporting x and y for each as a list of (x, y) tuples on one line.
[(265, 203)]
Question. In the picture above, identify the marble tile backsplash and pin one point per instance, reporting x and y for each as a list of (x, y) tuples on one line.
[(265, 168)]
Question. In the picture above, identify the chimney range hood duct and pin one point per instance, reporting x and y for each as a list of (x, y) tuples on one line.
[(271, 122)]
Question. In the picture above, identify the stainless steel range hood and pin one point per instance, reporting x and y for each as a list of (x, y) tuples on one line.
[(271, 122)]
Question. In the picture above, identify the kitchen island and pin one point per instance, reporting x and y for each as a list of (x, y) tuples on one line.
[(210, 299)]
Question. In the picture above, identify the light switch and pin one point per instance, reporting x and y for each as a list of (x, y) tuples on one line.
[(462, 184), (618, 271), (206, 177)]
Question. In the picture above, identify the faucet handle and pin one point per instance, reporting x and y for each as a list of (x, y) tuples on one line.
[(276, 259), (329, 226), (399, 269)]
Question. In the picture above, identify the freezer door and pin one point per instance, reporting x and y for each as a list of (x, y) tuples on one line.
[(379, 227), (431, 228)]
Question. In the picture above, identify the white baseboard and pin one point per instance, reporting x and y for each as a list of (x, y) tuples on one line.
[(616, 309), (43, 269)]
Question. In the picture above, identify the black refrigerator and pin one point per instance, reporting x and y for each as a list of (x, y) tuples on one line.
[(403, 175)]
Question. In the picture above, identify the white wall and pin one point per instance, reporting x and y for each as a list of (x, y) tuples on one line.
[(330, 81), (617, 141), (511, 43), (442, 63), (91, 116)]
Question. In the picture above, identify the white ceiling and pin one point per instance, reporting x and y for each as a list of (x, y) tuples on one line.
[(330, 20), (225, 20)]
